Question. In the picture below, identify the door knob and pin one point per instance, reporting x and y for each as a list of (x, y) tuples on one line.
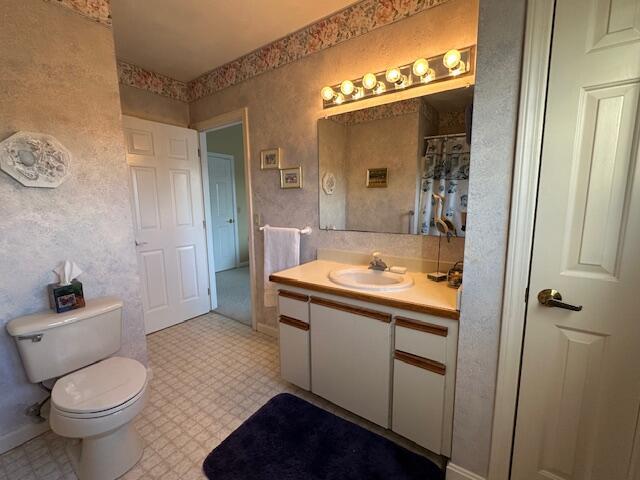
[(230, 220), (552, 298)]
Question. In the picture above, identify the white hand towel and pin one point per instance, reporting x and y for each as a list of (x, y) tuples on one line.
[(281, 251)]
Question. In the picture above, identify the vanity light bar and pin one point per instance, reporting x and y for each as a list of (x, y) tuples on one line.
[(452, 64)]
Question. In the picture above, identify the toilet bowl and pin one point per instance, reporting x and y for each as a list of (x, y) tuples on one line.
[(96, 406)]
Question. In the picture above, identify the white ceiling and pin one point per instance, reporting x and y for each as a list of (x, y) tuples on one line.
[(185, 38)]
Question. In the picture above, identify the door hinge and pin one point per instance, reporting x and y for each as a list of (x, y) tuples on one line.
[(204, 224), (209, 291), (199, 152), (526, 295)]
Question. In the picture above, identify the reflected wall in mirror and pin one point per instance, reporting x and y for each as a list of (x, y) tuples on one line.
[(421, 148)]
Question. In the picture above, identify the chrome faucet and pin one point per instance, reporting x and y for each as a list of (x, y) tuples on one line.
[(377, 263)]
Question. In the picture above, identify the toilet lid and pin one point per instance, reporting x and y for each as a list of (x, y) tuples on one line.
[(101, 386)]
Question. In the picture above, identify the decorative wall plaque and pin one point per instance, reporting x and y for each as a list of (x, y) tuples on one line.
[(35, 159)]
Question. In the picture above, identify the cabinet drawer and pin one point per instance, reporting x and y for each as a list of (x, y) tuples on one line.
[(418, 404), (420, 338), (293, 305), (294, 352)]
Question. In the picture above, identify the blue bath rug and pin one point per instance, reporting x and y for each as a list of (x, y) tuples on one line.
[(291, 439)]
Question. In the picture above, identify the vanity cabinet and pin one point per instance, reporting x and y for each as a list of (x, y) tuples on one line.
[(293, 309), (394, 367), (350, 357)]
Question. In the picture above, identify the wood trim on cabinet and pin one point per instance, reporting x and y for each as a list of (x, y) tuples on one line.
[(365, 312), (293, 322), (295, 295), (422, 326), (420, 362), (368, 297)]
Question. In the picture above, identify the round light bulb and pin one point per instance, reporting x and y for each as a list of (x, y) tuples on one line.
[(420, 67), (393, 75), (327, 93), (451, 59), (347, 87), (369, 81), (339, 99)]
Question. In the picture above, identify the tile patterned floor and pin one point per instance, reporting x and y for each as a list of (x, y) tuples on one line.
[(209, 375)]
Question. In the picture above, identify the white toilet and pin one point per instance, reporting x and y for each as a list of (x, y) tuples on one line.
[(97, 402)]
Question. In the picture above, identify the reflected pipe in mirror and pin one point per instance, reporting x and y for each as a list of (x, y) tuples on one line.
[(383, 168)]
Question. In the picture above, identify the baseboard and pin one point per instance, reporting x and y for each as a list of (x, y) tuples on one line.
[(454, 472), (21, 435), (243, 264), (267, 330)]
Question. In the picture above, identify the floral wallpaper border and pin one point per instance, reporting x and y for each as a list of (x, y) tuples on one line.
[(344, 25), (138, 77), (379, 112), (96, 10)]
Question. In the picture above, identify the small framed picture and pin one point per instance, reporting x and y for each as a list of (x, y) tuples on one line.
[(291, 177), (377, 177), (270, 159)]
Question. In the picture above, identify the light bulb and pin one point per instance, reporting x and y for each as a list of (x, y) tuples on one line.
[(327, 93), (451, 59), (347, 87), (420, 67), (393, 75), (339, 99), (369, 81)]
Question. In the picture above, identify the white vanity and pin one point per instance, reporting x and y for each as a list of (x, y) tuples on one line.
[(387, 355)]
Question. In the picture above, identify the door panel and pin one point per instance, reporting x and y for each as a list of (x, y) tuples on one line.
[(181, 195), (579, 399), (169, 221)]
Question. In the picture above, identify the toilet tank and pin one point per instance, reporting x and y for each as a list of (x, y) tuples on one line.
[(54, 344)]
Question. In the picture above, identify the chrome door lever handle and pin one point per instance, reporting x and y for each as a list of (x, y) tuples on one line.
[(139, 244), (552, 298)]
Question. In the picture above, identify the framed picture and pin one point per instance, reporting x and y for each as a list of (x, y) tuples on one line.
[(270, 159), (377, 177), (291, 177)]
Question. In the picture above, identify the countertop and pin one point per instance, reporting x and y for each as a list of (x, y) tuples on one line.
[(424, 296)]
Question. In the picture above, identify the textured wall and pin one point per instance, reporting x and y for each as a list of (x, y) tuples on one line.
[(58, 76), (151, 106), (332, 151), (492, 152), (390, 143), (284, 106), (229, 141)]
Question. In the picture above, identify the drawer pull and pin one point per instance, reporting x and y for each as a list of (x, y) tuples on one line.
[(364, 312), (293, 295), (422, 326), (292, 322), (420, 362)]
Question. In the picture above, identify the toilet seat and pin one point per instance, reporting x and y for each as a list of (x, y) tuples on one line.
[(101, 389)]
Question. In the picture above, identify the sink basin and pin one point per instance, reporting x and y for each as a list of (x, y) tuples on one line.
[(363, 278)]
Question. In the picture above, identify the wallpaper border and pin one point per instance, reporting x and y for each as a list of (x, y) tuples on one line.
[(351, 22)]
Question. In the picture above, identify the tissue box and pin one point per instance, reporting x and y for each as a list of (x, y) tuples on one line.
[(63, 298)]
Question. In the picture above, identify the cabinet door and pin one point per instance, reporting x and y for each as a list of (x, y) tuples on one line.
[(418, 400), (293, 309), (351, 358), (294, 352)]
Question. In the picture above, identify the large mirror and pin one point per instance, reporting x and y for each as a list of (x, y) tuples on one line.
[(401, 167)]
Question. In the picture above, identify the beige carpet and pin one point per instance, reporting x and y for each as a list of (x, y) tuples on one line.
[(234, 294)]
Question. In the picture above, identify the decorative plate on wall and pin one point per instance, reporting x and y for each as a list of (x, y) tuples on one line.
[(35, 159), (329, 183)]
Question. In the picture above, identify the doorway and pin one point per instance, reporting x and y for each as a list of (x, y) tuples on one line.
[(227, 220)]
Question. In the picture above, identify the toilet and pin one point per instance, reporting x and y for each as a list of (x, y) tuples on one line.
[(96, 397)]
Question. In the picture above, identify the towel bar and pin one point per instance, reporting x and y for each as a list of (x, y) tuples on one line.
[(303, 231)]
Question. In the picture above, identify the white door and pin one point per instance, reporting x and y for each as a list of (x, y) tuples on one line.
[(579, 400), (166, 195), (223, 210)]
